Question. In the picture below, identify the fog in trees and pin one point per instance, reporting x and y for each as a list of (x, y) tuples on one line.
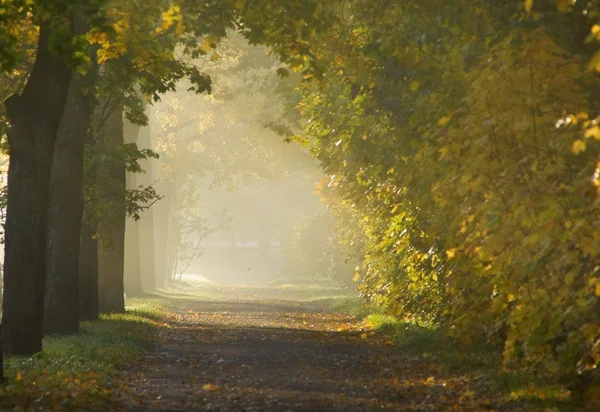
[(238, 201), (317, 180)]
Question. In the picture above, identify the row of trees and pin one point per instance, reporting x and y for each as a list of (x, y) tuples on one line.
[(95, 64), (462, 151), (460, 141)]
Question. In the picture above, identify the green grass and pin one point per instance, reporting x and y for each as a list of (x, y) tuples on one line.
[(351, 304), (80, 372), (480, 362)]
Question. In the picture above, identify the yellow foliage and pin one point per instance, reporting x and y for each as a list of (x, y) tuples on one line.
[(496, 213), (594, 132), (578, 146), (443, 121)]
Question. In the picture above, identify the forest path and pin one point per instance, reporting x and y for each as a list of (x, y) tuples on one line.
[(274, 355)]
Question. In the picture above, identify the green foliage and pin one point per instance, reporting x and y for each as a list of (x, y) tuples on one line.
[(11, 12), (460, 139), (449, 173), (100, 207), (353, 305), (314, 251), (12, 78), (479, 362)]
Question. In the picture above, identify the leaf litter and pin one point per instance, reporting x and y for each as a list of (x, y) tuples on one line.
[(258, 355)]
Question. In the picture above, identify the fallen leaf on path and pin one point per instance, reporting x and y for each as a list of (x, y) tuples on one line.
[(209, 387)]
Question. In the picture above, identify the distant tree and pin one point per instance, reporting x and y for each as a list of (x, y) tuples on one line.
[(227, 140)]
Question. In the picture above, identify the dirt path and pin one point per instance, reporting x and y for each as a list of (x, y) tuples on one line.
[(284, 356)]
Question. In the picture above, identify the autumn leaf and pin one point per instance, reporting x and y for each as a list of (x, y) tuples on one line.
[(209, 387), (594, 132), (578, 146), (594, 63), (443, 121), (414, 85)]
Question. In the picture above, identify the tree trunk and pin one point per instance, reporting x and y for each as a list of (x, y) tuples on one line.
[(161, 225), (61, 314), (133, 272), (1, 363), (110, 270), (34, 118), (173, 236), (146, 222), (88, 272), (88, 246), (111, 246)]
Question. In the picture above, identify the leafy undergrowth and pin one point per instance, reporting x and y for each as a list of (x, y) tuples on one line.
[(80, 372), (479, 362), (352, 305)]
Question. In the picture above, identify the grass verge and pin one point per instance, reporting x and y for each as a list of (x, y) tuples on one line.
[(351, 304), (80, 372), (479, 362)]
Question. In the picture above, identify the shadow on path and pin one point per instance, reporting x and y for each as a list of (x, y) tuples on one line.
[(284, 356)]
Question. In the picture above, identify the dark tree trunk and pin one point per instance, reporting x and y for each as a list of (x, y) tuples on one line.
[(133, 273), (133, 270), (34, 117), (88, 246), (1, 363), (111, 247), (88, 273), (146, 223), (110, 270), (61, 314)]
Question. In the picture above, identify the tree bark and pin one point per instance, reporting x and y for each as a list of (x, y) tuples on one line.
[(88, 272), (146, 222), (88, 246), (161, 225), (61, 314), (1, 363), (173, 242), (34, 118), (133, 274), (133, 270), (110, 270), (111, 246)]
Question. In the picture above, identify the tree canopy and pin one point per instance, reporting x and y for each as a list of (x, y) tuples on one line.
[(461, 142)]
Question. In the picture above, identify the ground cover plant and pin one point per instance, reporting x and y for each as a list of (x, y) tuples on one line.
[(82, 372)]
